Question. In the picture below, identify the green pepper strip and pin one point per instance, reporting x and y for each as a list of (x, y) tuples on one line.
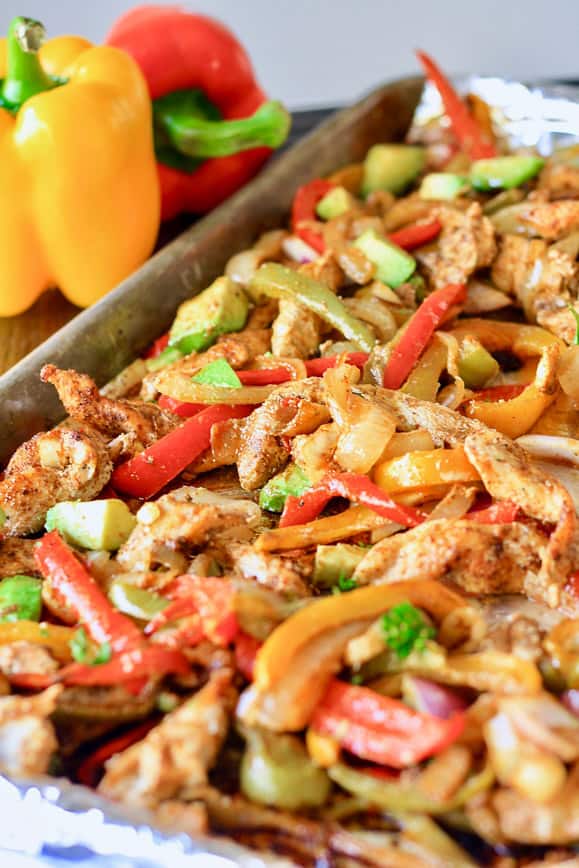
[(25, 76), (278, 281)]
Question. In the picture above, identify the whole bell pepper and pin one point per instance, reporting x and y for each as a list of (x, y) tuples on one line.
[(80, 197), (213, 125)]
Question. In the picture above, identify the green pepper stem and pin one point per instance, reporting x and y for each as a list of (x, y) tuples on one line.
[(25, 76), (194, 136)]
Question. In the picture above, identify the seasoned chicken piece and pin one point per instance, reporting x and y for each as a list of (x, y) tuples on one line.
[(226, 441), (544, 281), (263, 453), (559, 181), (467, 242), (286, 574), (551, 220), (296, 331), (180, 521), (19, 657), (17, 557), (64, 464), (324, 269), (175, 756), (138, 423), (481, 559), (175, 817), (507, 472), (27, 739)]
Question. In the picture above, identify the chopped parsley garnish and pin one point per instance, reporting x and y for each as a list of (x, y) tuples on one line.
[(344, 584), (84, 652), (405, 629), (576, 315)]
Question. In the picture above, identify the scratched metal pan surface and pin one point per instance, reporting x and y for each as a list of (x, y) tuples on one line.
[(102, 340)]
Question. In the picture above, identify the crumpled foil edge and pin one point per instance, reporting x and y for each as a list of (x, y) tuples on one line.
[(60, 822)]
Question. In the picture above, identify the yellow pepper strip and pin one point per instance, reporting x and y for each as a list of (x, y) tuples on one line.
[(523, 340), (425, 469), (80, 204), (332, 528), (179, 385), (323, 749), (52, 636), (518, 415), (364, 605), (423, 380)]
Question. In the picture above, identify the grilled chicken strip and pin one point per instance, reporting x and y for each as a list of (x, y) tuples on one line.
[(137, 422), (176, 755), (27, 739), (467, 242), (64, 464), (17, 557)]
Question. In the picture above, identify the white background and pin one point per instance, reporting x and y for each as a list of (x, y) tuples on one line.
[(332, 51)]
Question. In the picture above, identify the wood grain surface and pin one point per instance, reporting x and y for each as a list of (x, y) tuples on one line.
[(20, 334)]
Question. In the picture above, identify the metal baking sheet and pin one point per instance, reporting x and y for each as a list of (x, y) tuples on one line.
[(52, 819)]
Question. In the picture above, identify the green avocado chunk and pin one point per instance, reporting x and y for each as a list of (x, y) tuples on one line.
[(336, 202), (504, 172), (392, 167), (291, 481), (442, 185), (220, 308), (218, 373), (334, 561), (97, 524), (393, 265), (20, 598)]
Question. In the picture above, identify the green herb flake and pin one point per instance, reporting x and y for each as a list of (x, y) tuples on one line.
[(344, 584), (84, 652), (218, 373), (576, 315), (405, 629)]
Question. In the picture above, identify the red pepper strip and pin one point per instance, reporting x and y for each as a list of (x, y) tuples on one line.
[(31, 680), (185, 409), (144, 662), (499, 393), (416, 235), (264, 376), (213, 598), (572, 586), (381, 729), (246, 648), (420, 328), (464, 126), (88, 771), (175, 610), (304, 208), (317, 367), (502, 512), (353, 486), (148, 472), (71, 580), (157, 347)]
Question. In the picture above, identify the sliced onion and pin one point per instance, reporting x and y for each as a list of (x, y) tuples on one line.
[(431, 698), (375, 313), (455, 504), (546, 723), (483, 298), (241, 267), (570, 699), (568, 372), (298, 250), (562, 449)]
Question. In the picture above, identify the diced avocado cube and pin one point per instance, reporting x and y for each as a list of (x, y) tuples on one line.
[(20, 598), (504, 172), (442, 185), (220, 308), (337, 201), (96, 524), (476, 366), (218, 373), (291, 481), (334, 561), (392, 167), (393, 265)]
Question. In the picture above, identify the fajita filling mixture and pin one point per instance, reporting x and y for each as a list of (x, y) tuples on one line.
[(307, 574)]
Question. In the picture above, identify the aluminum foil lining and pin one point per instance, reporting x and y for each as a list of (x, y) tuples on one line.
[(62, 824)]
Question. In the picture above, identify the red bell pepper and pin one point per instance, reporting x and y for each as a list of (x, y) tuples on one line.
[(572, 585), (246, 648), (381, 729), (210, 598), (499, 393), (467, 131), (317, 367), (198, 73), (146, 661), (157, 347), (185, 409), (418, 332), (88, 771), (149, 471), (353, 486), (416, 235), (265, 377), (70, 580), (502, 512), (304, 209)]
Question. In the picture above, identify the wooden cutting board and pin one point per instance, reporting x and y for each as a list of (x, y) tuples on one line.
[(20, 334)]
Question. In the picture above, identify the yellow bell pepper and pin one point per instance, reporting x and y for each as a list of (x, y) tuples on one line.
[(424, 470), (51, 636), (80, 204), (322, 531), (523, 340)]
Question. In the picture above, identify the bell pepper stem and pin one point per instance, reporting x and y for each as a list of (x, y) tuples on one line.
[(25, 76), (195, 136)]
